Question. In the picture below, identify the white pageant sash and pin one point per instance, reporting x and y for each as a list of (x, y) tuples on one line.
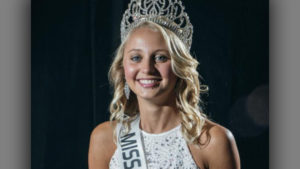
[(131, 154)]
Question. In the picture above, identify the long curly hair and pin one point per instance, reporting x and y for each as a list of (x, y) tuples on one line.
[(188, 87)]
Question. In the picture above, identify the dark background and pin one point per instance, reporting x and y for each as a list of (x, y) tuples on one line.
[(72, 47)]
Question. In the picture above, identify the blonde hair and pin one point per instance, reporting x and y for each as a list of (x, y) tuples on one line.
[(188, 88)]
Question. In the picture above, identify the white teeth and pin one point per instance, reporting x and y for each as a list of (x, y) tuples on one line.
[(148, 81)]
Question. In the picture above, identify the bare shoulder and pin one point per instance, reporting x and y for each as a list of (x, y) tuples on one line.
[(103, 131), (102, 145), (217, 134), (217, 148)]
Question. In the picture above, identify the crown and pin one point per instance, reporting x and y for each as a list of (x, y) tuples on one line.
[(167, 13)]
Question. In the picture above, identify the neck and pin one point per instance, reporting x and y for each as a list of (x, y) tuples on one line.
[(158, 118)]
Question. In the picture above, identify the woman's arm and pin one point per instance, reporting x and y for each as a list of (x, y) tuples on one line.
[(101, 146), (222, 151)]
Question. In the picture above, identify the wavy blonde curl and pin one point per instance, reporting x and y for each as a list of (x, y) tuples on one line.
[(188, 88)]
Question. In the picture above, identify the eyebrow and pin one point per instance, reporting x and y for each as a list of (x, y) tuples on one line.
[(134, 50), (158, 50)]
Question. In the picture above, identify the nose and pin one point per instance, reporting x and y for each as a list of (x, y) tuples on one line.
[(147, 66)]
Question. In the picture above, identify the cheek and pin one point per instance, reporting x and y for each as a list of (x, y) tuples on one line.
[(129, 71), (167, 72)]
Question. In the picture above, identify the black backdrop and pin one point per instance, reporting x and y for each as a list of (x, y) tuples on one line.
[(72, 47)]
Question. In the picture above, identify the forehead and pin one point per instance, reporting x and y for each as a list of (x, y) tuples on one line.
[(145, 38)]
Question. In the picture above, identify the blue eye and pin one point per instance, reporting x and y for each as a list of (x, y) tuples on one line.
[(136, 58), (161, 58)]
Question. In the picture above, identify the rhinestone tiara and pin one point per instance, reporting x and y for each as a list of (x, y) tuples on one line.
[(167, 13)]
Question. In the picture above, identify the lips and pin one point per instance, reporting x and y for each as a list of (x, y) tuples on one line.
[(149, 83)]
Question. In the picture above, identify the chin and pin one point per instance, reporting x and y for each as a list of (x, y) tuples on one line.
[(147, 96), (154, 97)]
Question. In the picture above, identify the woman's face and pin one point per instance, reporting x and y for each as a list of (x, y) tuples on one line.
[(147, 66)]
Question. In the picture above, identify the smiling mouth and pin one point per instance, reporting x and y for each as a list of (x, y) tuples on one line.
[(149, 83)]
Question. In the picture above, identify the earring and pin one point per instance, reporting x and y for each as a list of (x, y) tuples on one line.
[(126, 90)]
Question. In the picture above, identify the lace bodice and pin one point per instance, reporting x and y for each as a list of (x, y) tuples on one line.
[(166, 150)]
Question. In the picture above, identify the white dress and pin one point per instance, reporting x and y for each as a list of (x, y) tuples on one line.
[(167, 150)]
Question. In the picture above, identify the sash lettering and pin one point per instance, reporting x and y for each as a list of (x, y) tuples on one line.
[(130, 152)]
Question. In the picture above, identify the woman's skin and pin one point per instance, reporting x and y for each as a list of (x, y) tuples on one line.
[(146, 58), (147, 67)]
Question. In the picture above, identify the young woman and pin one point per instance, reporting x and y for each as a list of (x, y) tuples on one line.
[(156, 121)]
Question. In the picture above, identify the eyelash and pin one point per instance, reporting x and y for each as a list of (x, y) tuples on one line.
[(165, 58), (158, 58), (135, 57)]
